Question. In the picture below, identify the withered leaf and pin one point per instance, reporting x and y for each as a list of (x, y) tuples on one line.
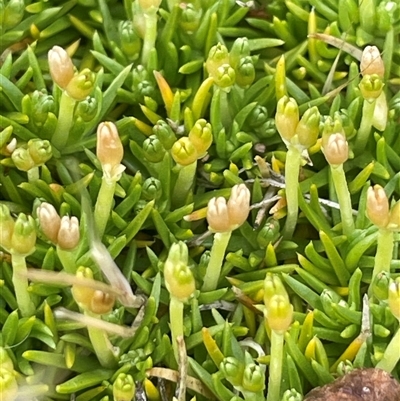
[(359, 385)]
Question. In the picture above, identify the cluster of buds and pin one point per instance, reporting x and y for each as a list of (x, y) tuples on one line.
[(186, 150), (77, 85), (17, 236), (8, 382), (278, 309), (302, 133), (110, 151), (379, 212), (178, 277), (228, 68), (223, 216), (63, 232), (35, 154), (90, 299)]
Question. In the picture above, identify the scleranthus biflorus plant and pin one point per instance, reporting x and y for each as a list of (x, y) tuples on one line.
[(199, 200)]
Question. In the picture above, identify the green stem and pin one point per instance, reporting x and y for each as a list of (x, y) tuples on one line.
[(150, 36), (102, 345), (343, 194), (365, 126), (391, 355), (33, 174), (103, 205), (20, 282), (184, 184), (384, 252), (64, 122), (67, 259), (176, 322), (214, 267), (275, 366), (292, 168)]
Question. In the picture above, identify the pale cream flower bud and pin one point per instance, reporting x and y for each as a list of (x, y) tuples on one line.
[(378, 206), (109, 148), (336, 150), (49, 221), (371, 62), (225, 216), (61, 67), (101, 302), (68, 234)]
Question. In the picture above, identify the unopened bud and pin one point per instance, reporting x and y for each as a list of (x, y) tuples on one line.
[(307, 129), (377, 207), (124, 388), (253, 378), (101, 302), (287, 118), (371, 87), (61, 67), (81, 85), (40, 151), (83, 295), (371, 62), (23, 239), (394, 298), (6, 227), (22, 159), (49, 221), (336, 150), (279, 313), (68, 234), (184, 152), (201, 136), (394, 218)]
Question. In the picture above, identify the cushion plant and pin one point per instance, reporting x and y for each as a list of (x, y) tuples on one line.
[(199, 200)]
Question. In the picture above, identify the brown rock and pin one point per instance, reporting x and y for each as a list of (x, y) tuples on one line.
[(359, 385)]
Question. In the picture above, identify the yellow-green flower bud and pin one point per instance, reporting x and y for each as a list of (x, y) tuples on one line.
[(201, 136), (153, 149), (130, 41), (394, 297), (8, 385), (292, 395), (225, 216), (61, 67), (7, 224), (124, 388), (377, 207), (83, 295), (81, 85), (23, 239), (245, 72), (273, 286), (40, 151), (49, 221), (371, 87), (380, 285), (165, 134), (178, 277), (184, 152), (233, 370), (22, 159), (12, 14), (279, 313), (307, 129), (217, 56), (151, 189), (394, 218), (240, 49), (87, 109), (149, 5), (371, 62), (253, 378), (68, 234), (224, 76), (42, 105), (190, 18), (286, 118), (336, 150), (331, 126)]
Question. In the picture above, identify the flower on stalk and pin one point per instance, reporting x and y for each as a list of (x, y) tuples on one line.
[(109, 150), (307, 129), (178, 277), (217, 56), (81, 85), (184, 152), (124, 387), (279, 313), (83, 294), (22, 159), (371, 87), (23, 238), (201, 136), (336, 149), (273, 286), (287, 118), (377, 207), (224, 76), (68, 234), (8, 385), (61, 66), (40, 151), (223, 216), (371, 62), (394, 297)]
